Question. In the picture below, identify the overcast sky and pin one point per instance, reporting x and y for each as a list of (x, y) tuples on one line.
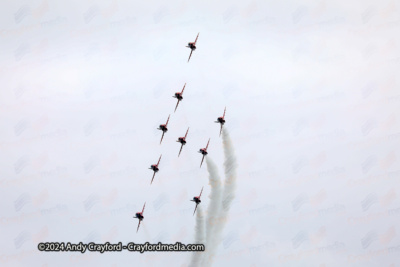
[(312, 96)]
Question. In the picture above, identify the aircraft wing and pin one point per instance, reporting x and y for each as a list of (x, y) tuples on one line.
[(162, 136), (202, 161), (180, 150), (190, 55), (176, 105)]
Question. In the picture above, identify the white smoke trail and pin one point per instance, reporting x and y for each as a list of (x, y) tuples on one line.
[(199, 237), (225, 198), (230, 165), (145, 230), (214, 206)]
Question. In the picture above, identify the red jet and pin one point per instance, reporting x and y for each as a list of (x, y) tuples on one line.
[(139, 215), (221, 120), (192, 46), (179, 96), (163, 128), (155, 168), (204, 152), (182, 140), (197, 200)]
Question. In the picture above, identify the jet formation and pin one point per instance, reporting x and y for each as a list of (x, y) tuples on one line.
[(197, 200), (155, 169), (182, 140), (204, 152), (192, 46), (163, 128), (179, 96), (221, 120), (139, 215)]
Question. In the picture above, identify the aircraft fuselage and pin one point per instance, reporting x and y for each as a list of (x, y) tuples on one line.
[(203, 151), (192, 46), (197, 200), (178, 96), (154, 168), (163, 128), (221, 120)]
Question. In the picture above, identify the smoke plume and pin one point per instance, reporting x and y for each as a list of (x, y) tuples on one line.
[(199, 237), (220, 200)]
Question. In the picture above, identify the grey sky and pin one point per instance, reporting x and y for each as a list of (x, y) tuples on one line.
[(312, 99)]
